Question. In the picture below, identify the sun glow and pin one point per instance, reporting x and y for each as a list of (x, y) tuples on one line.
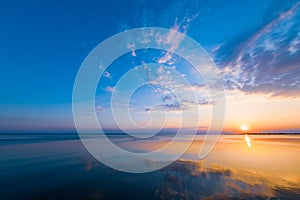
[(244, 128)]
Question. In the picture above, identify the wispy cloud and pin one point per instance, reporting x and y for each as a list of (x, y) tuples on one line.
[(173, 40), (174, 94), (110, 89), (267, 61)]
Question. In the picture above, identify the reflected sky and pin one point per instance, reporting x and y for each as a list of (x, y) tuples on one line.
[(61, 169)]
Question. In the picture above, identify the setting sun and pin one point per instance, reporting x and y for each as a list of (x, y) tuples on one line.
[(244, 128)]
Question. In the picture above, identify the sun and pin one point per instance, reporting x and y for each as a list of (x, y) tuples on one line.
[(244, 127)]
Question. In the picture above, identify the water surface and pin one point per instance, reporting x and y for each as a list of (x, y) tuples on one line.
[(58, 167)]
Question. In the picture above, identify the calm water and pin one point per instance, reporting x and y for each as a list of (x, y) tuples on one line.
[(58, 167)]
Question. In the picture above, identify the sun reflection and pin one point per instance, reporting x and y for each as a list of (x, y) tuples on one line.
[(248, 140)]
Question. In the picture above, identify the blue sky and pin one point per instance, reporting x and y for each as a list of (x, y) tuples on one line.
[(255, 45)]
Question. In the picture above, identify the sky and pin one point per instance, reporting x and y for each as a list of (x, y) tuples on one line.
[(255, 46)]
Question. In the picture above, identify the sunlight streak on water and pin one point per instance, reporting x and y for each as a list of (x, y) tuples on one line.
[(248, 140)]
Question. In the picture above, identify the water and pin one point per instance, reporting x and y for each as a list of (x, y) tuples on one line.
[(58, 167)]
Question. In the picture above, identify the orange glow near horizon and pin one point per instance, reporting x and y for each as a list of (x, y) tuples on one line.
[(261, 114), (244, 114)]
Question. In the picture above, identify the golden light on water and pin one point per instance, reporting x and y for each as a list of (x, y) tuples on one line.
[(248, 140)]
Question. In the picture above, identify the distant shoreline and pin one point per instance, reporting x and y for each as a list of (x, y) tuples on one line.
[(120, 133), (265, 134)]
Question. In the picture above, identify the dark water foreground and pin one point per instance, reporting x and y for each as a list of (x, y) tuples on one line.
[(41, 168)]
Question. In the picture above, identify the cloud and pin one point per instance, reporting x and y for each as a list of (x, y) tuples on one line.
[(131, 46), (99, 109), (110, 89), (173, 40), (133, 53), (106, 74), (166, 58), (174, 94), (267, 60), (167, 107)]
